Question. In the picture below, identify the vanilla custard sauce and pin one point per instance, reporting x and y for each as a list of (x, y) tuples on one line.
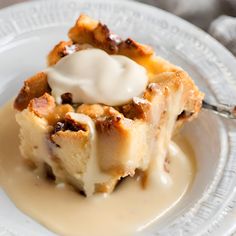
[(63, 210)]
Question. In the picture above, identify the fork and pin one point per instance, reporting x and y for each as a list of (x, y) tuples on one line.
[(225, 110)]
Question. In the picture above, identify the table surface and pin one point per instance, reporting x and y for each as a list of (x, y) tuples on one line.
[(5, 3)]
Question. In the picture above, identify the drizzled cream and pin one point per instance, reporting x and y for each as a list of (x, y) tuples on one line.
[(93, 76), (93, 173)]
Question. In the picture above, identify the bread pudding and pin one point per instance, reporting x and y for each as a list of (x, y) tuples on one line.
[(116, 122)]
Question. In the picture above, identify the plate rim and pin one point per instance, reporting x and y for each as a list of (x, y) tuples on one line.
[(207, 37), (6, 10)]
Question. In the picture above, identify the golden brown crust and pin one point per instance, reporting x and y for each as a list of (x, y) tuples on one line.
[(58, 52), (83, 29), (45, 107), (69, 135), (34, 87), (87, 30), (59, 113), (90, 32), (96, 111), (137, 109), (63, 49), (42, 106)]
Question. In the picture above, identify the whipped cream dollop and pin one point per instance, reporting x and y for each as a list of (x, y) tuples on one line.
[(93, 76)]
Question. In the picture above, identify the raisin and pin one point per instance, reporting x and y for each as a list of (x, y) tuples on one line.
[(66, 98)]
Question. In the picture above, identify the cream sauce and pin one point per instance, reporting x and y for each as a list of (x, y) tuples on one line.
[(93, 173), (93, 76), (61, 209)]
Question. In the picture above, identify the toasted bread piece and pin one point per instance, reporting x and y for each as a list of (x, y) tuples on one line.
[(88, 31), (33, 87), (93, 146)]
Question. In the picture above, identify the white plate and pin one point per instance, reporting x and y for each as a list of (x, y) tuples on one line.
[(28, 31)]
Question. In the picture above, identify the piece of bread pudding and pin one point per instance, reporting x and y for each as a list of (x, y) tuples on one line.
[(93, 146)]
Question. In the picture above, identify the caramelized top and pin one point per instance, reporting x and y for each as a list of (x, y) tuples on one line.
[(162, 75)]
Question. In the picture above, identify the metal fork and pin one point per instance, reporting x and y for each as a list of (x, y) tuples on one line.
[(227, 111)]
